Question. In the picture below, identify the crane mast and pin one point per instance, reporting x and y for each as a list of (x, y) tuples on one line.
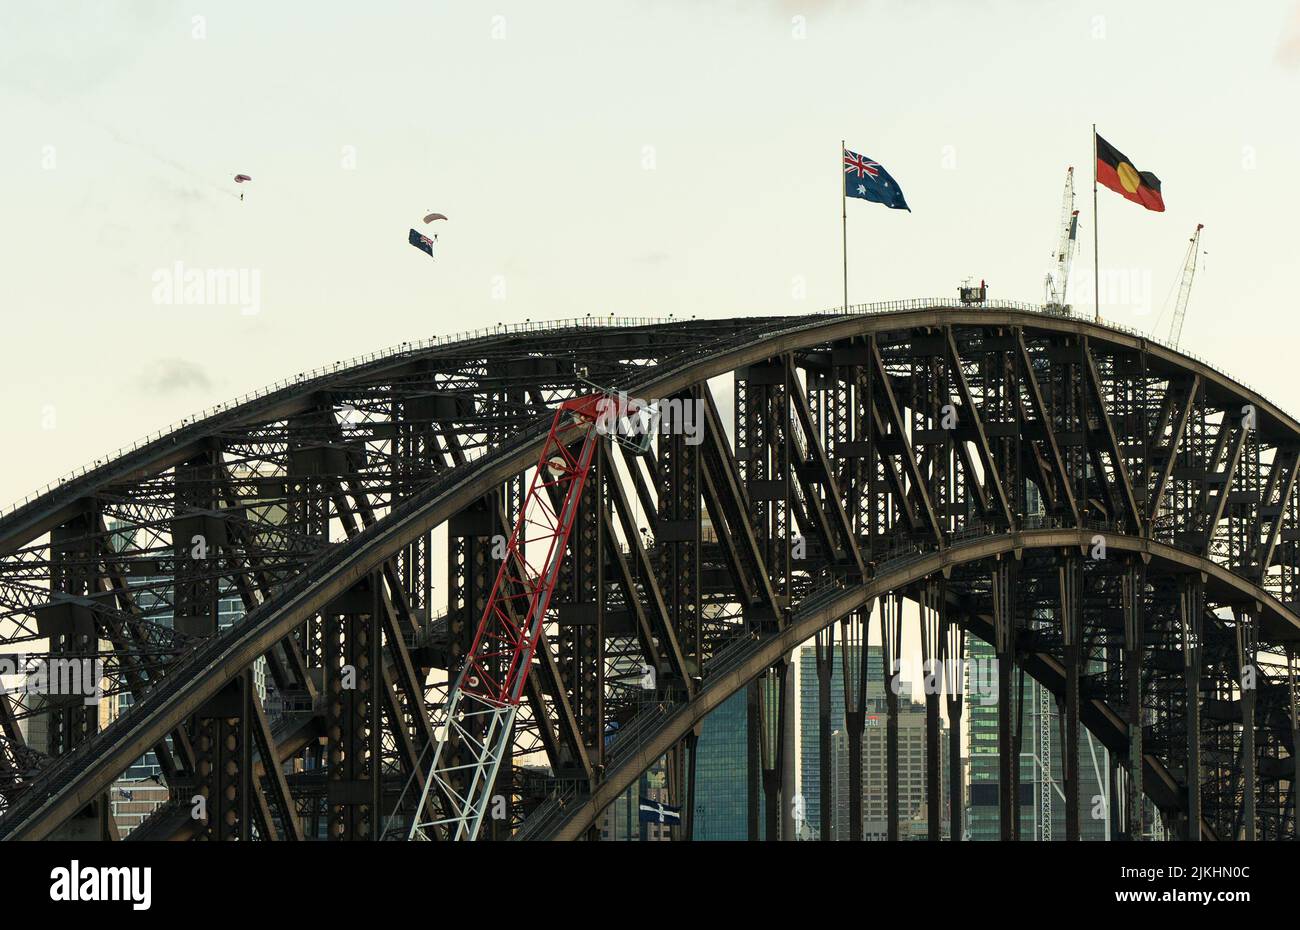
[(1058, 280), (1185, 289)]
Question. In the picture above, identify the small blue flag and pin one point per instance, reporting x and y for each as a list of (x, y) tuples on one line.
[(868, 180), (659, 812)]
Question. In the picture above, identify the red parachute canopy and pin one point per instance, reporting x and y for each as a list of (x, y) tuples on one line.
[(434, 216), (241, 178)]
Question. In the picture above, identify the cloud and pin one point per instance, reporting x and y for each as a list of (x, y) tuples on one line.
[(172, 376)]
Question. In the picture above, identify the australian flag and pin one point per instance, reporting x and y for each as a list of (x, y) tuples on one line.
[(659, 812), (868, 180), (421, 242)]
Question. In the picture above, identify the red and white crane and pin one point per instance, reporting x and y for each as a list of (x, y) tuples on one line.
[(474, 731)]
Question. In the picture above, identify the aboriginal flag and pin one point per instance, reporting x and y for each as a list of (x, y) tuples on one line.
[(1115, 171)]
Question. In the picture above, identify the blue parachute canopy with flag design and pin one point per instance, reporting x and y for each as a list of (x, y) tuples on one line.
[(868, 180)]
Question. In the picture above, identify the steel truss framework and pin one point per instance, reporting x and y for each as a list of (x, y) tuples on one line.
[(1119, 521)]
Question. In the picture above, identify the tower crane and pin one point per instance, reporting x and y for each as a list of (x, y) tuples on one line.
[(1057, 281), (1185, 289)]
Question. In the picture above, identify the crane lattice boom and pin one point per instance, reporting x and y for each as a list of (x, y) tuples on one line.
[(475, 727), (1059, 279), (1185, 289)]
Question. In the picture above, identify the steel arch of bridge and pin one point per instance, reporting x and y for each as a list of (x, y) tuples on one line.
[(839, 436), (907, 572)]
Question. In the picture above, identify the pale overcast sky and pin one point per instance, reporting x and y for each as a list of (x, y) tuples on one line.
[(647, 158)]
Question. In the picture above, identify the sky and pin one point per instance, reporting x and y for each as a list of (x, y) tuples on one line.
[(623, 156)]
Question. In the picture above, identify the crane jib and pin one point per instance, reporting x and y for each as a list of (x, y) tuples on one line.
[(481, 704)]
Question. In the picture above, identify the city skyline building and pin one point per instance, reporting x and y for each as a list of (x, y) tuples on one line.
[(810, 710), (1042, 810), (912, 813)]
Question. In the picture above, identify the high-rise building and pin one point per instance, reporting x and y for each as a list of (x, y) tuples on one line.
[(721, 772), (913, 820), (1042, 799), (810, 710), (912, 758)]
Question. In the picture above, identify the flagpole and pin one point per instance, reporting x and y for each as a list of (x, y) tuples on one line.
[(1096, 275), (844, 228)]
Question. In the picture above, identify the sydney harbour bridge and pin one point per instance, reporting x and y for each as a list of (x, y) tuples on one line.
[(1119, 521)]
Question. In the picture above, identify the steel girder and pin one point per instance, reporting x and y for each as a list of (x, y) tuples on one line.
[(860, 441)]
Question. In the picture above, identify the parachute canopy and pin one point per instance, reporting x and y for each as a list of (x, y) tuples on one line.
[(434, 216), (241, 178)]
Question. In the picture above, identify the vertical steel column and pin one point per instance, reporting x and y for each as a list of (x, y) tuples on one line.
[(765, 461), (1116, 775), (772, 713), (1190, 608), (1070, 576), (752, 423), (788, 753), (932, 605), (353, 715), (1293, 693), (1134, 583), (71, 631), (854, 666), (1004, 646), (307, 499), (677, 534), (952, 649), (1247, 673), (891, 638), (1114, 772), (223, 755), (580, 608), (848, 435), (824, 644), (197, 532), (753, 761)]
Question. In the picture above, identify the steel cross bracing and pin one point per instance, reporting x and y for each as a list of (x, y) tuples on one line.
[(237, 575)]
